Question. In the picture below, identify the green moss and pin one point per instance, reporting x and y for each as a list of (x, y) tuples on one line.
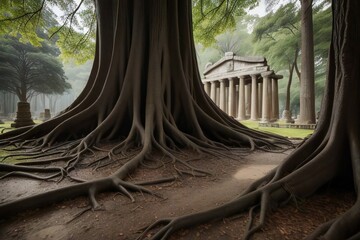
[(10, 160)]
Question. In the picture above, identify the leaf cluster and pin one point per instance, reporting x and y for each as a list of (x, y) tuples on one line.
[(212, 17), (72, 24)]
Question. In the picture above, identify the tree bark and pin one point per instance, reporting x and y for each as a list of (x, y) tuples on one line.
[(307, 84)]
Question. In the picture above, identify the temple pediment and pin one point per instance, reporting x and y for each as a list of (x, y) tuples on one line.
[(231, 65), (243, 87)]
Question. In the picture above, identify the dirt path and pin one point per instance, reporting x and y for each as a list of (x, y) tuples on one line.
[(121, 218)]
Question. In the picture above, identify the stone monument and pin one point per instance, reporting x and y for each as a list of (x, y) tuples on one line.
[(23, 115)]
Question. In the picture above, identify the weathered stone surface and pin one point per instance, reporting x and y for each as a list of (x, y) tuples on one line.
[(23, 116), (47, 114), (286, 115), (247, 74), (232, 66)]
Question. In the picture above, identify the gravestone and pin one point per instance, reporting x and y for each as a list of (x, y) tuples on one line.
[(47, 114)]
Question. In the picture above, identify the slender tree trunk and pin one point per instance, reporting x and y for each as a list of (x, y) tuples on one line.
[(286, 115), (297, 70), (307, 85), (288, 87)]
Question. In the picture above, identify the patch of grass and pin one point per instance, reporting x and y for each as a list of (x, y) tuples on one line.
[(5, 127), (10, 160), (286, 132)]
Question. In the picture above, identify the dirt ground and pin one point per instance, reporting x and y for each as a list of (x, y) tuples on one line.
[(122, 219)]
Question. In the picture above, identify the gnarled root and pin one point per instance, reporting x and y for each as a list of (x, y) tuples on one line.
[(266, 195), (295, 177), (90, 189)]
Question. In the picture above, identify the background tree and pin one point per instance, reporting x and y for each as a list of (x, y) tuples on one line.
[(277, 36), (236, 40), (322, 38), (8, 102), (307, 89), (26, 69)]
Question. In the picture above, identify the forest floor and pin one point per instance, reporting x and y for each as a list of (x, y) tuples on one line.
[(122, 219)]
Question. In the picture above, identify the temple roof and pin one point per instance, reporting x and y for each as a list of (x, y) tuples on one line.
[(234, 66)]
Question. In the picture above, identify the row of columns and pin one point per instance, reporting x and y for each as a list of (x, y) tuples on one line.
[(241, 98)]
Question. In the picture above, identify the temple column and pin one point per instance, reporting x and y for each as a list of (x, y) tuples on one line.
[(231, 99), (275, 99), (260, 93), (270, 94), (222, 95), (236, 99), (248, 99), (266, 100), (213, 91), (241, 111), (217, 96), (227, 100), (254, 98), (207, 87)]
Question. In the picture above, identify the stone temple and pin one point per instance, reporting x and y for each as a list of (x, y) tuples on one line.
[(243, 87)]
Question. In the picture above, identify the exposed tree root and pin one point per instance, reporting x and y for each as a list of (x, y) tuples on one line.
[(331, 153), (271, 191)]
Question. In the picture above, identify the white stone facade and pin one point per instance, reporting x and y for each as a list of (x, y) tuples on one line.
[(243, 87)]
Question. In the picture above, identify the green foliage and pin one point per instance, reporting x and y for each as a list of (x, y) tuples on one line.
[(76, 46), (206, 55), (237, 41), (277, 37), (322, 36), (26, 69), (212, 17), (77, 33), (72, 24), (22, 16)]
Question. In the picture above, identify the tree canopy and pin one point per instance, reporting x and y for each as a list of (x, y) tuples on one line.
[(278, 38), (26, 69), (72, 23)]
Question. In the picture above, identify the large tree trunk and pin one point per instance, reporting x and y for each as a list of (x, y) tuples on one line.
[(144, 91), (331, 154), (307, 84)]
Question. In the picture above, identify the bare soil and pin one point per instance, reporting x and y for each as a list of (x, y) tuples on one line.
[(122, 219)]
